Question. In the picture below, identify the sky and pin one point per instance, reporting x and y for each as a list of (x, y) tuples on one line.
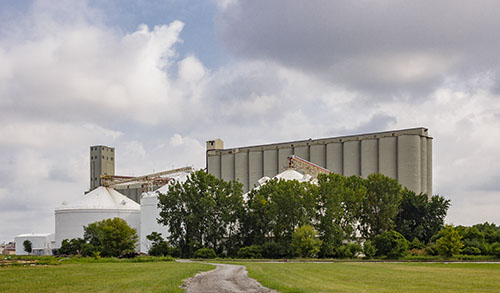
[(156, 79)]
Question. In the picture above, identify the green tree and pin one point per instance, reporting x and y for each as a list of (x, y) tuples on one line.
[(110, 237), (337, 209), (380, 205), (276, 209), (71, 247), (449, 241), (305, 241), (204, 211), (158, 245), (420, 217), (28, 247), (390, 244)]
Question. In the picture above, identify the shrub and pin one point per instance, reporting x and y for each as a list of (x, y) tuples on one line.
[(348, 250), (449, 242), (495, 249), (274, 250), (369, 249), (471, 250), (390, 244), (205, 253), (305, 241), (253, 251)]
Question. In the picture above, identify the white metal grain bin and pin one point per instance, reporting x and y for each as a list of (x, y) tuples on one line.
[(99, 204), (150, 213)]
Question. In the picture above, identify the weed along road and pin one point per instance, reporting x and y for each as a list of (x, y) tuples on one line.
[(225, 278)]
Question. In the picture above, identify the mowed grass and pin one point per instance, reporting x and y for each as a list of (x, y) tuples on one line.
[(377, 277), (99, 277)]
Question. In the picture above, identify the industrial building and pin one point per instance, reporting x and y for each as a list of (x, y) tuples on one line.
[(102, 162), (41, 243), (405, 155)]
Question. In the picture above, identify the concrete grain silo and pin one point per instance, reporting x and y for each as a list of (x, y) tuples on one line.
[(405, 155), (99, 204)]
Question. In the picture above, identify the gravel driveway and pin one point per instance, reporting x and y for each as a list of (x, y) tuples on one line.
[(225, 278)]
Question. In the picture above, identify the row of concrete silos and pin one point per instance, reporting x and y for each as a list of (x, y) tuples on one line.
[(405, 155)]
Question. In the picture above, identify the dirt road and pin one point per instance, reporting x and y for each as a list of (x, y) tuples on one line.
[(225, 278)]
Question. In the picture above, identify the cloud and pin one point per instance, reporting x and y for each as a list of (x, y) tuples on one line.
[(378, 47), (70, 80)]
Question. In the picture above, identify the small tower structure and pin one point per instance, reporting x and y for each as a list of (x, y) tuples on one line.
[(102, 162)]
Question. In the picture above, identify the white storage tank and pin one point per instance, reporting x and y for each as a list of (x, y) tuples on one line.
[(99, 204), (150, 213), (41, 243)]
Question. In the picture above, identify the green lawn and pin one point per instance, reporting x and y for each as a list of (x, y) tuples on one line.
[(99, 277), (379, 277)]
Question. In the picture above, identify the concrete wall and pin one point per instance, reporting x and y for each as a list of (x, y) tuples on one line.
[(405, 155)]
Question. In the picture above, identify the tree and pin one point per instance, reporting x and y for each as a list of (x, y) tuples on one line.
[(110, 237), (305, 241), (28, 247), (380, 205), (275, 210), (204, 211), (337, 208), (71, 247), (158, 245), (449, 241), (390, 244), (420, 217)]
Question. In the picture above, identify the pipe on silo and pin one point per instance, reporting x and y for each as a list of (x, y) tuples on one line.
[(429, 166), (423, 166), (256, 169), (369, 157), (334, 157), (388, 156), (409, 161), (241, 168), (352, 158), (318, 155)]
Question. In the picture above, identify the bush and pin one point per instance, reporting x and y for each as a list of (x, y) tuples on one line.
[(390, 244), (495, 249), (274, 250), (369, 249), (471, 250), (348, 250), (305, 241), (205, 253), (253, 251), (449, 242)]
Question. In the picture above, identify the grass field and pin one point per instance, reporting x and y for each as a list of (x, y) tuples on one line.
[(379, 277), (99, 277)]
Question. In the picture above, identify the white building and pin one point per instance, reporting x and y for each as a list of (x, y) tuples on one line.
[(41, 243), (99, 204), (150, 213)]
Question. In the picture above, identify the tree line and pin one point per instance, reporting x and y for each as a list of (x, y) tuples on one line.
[(329, 218)]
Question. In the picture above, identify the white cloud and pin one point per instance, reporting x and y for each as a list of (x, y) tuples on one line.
[(68, 82)]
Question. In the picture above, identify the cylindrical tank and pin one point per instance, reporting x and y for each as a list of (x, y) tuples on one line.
[(318, 155), (369, 157), (255, 168), (99, 204), (409, 163), (150, 213), (352, 158), (241, 168), (227, 167), (334, 157)]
